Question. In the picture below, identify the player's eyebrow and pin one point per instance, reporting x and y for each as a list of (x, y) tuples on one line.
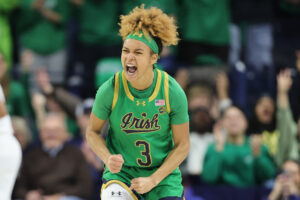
[(138, 49)]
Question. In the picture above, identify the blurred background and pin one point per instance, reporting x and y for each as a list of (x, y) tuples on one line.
[(238, 62)]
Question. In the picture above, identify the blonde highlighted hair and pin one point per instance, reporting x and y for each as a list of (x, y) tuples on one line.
[(152, 22)]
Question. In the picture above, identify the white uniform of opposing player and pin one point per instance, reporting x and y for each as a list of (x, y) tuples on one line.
[(10, 155)]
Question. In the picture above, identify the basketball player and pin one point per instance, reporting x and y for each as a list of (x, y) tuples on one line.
[(147, 109)]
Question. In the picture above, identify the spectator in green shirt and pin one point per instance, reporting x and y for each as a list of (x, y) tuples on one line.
[(205, 31), (97, 38), (235, 159), (42, 27)]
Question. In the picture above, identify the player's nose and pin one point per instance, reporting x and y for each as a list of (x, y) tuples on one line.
[(130, 57)]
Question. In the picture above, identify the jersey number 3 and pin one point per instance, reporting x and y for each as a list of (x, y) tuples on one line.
[(146, 153)]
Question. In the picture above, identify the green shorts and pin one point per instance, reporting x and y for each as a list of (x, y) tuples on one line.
[(169, 187)]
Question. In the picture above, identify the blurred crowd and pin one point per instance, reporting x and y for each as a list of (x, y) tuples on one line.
[(238, 62)]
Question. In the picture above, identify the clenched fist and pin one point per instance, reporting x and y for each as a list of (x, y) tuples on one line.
[(142, 184), (115, 163)]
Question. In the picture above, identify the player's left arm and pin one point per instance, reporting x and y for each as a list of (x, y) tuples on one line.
[(176, 156)]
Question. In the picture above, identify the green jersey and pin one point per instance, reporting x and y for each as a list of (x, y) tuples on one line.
[(140, 123), (140, 128)]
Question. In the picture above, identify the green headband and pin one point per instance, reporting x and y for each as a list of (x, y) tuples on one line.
[(149, 41)]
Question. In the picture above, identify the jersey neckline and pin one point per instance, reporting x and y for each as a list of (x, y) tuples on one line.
[(155, 91)]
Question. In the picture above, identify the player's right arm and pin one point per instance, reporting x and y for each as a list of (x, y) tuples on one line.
[(97, 143), (101, 111)]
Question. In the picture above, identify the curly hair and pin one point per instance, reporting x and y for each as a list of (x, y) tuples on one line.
[(152, 22)]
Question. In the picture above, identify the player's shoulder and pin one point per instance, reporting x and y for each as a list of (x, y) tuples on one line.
[(174, 85), (109, 84)]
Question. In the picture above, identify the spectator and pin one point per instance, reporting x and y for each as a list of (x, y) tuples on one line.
[(251, 34), (264, 122), (80, 111), (255, 18), (287, 184), (205, 39), (294, 94), (98, 37), (205, 31), (200, 98), (53, 169), (83, 111), (235, 159), (278, 132), (201, 137), (222, 88), (287, 143), (199, 95), (42, 103), (66, 101), (43, 32)]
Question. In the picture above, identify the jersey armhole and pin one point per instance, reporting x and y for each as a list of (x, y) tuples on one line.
[(116, 91), (166, 87)]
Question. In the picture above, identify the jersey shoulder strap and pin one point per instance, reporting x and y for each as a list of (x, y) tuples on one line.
[(116, 90), (166, 88)]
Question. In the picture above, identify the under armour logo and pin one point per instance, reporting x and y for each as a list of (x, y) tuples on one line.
[(116, 194), (138, 34), (138, 103)]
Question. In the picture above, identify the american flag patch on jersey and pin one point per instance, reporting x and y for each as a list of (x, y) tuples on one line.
[(160, 102)]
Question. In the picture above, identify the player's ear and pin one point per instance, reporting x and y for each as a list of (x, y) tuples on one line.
[(154, 58)]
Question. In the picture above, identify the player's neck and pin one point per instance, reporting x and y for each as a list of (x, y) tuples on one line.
[(144, 82)]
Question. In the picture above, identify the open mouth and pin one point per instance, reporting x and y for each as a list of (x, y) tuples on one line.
[(131, 69)]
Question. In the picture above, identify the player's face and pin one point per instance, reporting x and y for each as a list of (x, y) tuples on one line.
[(137, 60)]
